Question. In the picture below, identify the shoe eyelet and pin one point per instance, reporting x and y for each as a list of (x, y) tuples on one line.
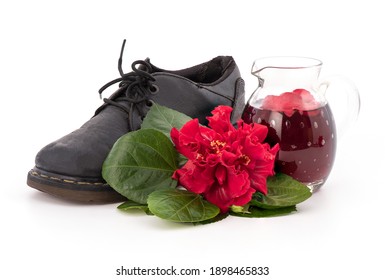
[(154, 89), (149, 103)]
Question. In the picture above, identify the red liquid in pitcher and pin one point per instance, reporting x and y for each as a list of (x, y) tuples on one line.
[(307, 140)]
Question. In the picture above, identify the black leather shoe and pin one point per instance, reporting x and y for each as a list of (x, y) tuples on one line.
[(70, 167)]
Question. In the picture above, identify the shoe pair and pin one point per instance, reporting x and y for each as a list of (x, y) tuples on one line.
[(70, 167)]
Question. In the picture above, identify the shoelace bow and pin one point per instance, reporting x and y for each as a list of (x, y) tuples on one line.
[(138, 86)]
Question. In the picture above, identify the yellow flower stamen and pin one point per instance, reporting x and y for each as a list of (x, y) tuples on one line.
[(217, 145), (244, 159), (199, 156)]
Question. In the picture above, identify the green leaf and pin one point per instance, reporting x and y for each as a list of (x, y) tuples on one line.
[(139, 163), (129, 204), (163, 119), (283, 191), (255, 212), (132, 205), (181, 206)]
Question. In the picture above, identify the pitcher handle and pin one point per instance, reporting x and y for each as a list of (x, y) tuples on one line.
[(344, 100)]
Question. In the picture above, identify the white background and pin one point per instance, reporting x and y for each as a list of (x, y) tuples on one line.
[(55, 55)]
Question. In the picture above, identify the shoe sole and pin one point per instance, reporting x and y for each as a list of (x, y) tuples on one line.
[(73, 189)]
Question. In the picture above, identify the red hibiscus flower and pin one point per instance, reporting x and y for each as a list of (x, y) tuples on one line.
[(226, 165), (287, 102)]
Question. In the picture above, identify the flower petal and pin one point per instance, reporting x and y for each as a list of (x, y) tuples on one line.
[(236, 188), (220, 121), (184, 139), (244, 199), (221, 174), (287, 102), (193, 178)]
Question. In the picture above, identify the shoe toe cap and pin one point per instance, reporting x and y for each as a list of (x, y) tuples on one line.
[(82, 152), (70, 159)]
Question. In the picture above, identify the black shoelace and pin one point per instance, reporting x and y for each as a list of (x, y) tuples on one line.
[(137, 87)]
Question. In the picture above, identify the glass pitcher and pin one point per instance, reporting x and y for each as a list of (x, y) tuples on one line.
[(291, 102)]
